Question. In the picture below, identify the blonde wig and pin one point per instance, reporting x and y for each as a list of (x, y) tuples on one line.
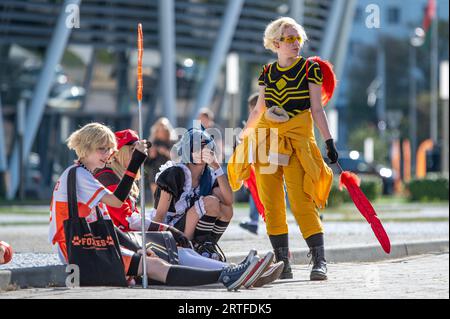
[(275, 30), (90, 137), (119, 165)]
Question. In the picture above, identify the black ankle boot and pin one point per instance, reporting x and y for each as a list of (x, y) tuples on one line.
[(319, 269), (282, 254), (207, 247)]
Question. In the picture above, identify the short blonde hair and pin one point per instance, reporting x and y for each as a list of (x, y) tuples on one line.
[(89, 138), (275, 30)]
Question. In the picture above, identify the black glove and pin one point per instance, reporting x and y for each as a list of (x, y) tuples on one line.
[(331, 151), (179, 237)]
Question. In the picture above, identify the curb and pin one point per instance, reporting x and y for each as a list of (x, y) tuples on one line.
[(36, 277), (364, 253), (55, 276)]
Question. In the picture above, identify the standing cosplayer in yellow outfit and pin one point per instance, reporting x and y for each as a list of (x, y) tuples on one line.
[(289, 104)]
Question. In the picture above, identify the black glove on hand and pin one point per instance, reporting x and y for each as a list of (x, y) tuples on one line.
[(331, 151), (179, 237)]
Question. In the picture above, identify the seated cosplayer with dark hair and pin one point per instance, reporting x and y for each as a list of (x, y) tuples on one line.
[(193, 194)]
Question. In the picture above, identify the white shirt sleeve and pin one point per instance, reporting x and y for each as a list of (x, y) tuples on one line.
[(89, 190)]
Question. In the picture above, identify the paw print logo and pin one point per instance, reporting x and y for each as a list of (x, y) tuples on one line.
[(109, 241), (76, 241)]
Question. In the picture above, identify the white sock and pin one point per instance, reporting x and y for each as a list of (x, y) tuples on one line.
[(188, 257)]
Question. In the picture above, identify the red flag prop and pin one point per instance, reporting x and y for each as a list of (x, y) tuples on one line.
[(250, 184), (140, 42), (140, 85), (430, 13), (351, 182)]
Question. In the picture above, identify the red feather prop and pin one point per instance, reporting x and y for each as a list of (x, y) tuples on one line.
[(250, 184), (351, 182), (329, 78)]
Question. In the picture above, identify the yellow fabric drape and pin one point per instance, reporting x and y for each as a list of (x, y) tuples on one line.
[(295, 138)]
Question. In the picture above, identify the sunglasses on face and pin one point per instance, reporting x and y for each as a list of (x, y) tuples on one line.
[(104, 150), (291, 39)]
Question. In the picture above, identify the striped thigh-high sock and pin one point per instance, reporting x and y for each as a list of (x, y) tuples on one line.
[(218, 230), (204, 226)]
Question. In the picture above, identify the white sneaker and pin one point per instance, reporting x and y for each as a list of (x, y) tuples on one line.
[(258, 270)]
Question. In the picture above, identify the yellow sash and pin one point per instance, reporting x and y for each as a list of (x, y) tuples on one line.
[(294, 137)]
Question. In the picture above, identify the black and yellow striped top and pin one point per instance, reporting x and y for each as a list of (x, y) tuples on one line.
[(288, 87)]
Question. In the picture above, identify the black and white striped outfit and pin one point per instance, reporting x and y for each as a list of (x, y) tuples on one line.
[(176, 179)]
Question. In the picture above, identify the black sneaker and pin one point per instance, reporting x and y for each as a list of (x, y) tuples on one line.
[(253, 228), (235, 276), (209, 249)]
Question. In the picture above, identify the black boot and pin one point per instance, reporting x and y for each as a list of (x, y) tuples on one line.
[(207, 247), (319, 269), (282, 254)]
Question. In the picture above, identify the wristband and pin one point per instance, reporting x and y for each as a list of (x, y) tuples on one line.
[(219, 172), (154, 226), (133, 176), (136, 160)]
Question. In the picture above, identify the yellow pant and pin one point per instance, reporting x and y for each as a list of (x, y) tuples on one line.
[(271, 193)]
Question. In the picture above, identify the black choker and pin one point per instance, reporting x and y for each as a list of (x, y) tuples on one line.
[(84, 166)]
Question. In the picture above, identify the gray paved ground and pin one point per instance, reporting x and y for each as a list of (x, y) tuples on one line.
[(425, 276), (403, 223), (343, 228)]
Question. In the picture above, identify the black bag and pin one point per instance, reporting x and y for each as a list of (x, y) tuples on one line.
[(92, 246), (161, 242)]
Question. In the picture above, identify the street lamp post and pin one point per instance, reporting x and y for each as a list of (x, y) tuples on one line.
[(417, 39), (20, 132), (381, 101), (443, 94)]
